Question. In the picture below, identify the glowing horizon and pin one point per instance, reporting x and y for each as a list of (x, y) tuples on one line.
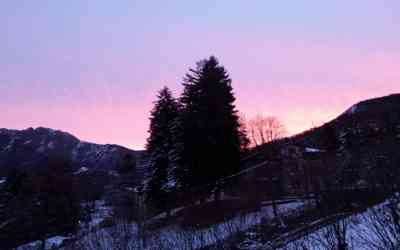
[(93, 68)]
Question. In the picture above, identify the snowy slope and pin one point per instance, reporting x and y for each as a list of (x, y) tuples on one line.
[(372, 229)]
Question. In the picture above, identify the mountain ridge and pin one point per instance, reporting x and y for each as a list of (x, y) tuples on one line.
[(29, 148)]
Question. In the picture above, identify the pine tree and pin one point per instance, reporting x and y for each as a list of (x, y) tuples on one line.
[(211, 137), (159, 146)]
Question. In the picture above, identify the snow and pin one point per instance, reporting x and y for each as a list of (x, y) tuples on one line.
[(175, 237), (51, 243), (170, 184), (55, 241), (172, 237), (268, 212), (96, 221), (100, 213), (352, 110), (113, 173), (81, 170), (7, 148), (41, 149), (363, 231), (51, 145), (312, 150), (51, 131)]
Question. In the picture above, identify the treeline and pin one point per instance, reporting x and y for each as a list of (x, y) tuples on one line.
[(35, 206), (197, 138)]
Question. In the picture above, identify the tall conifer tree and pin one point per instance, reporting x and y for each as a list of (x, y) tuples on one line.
[(210, 137), (159, 146)]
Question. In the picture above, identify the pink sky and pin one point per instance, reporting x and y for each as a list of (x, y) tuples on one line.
[(94, 72)]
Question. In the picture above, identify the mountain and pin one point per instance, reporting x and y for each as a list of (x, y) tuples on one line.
[(373, 117), (29, 149), (385, 104), (45, 171), (359, 147)]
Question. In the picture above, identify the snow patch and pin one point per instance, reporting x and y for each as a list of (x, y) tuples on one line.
[(51, 145), (313, 150), (55, 241), (352, 110), (113, 173), (101, 212), (7, 148), (81, 170), (51, 243), (174, 237), (41, 149), (361, 230)]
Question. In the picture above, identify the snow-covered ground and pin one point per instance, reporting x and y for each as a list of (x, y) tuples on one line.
[(374, 229), (51, 243), (100, 213), (168, 237), (175, 237)]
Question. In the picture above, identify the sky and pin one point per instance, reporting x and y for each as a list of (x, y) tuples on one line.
[(93, 67)]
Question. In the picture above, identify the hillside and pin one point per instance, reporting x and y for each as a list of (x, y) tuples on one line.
[(373, 125), (377, 115), (46, 173), (343, 167), (28, 149), (323, 175)]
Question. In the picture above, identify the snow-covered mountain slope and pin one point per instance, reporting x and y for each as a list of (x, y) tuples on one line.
[(29, 148)]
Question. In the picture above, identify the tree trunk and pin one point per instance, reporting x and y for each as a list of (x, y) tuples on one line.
[(274, 207), (43, 244)]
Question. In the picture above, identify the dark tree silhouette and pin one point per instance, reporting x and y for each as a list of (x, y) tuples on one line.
[(243, 138), (211, 138), (58, 206), (159, 146), (265, 129), (329, 139), (44, 204)]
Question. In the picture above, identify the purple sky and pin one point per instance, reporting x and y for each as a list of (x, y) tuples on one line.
[(92, 67)]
